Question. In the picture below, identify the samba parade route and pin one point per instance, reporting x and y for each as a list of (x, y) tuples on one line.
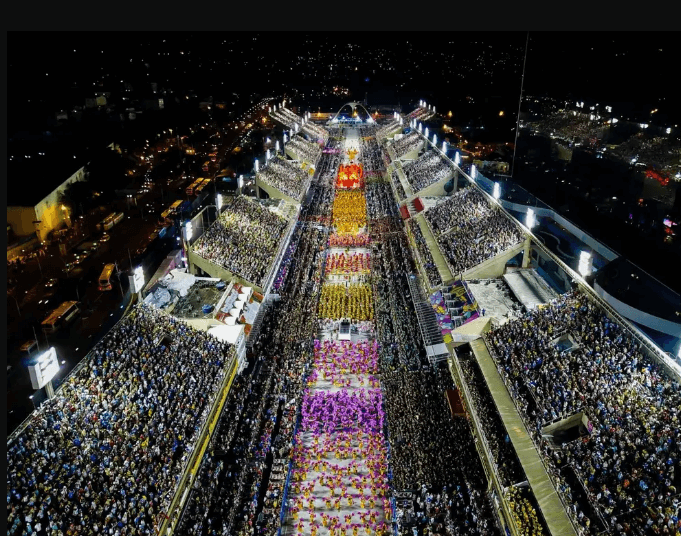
[(339, 480)]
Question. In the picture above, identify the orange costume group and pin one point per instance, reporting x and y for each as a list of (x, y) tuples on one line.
[(350, 177)]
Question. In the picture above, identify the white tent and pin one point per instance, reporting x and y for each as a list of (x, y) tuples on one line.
[(228, 334)]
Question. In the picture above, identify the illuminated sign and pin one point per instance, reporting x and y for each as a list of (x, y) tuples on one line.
[(44, 370)]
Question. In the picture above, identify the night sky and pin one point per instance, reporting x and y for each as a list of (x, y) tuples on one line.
[(49, 71)]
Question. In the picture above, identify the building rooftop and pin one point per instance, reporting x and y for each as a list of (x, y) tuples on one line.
[(635, 287), (36, 167)]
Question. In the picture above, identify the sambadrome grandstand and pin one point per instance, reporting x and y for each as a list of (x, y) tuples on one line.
[(392, 348)]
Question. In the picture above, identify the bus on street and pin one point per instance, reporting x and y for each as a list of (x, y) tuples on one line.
[(61, 317), (105, 277)]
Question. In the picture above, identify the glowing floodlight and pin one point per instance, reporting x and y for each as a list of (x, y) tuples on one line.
[(285, 137), (218, 201), (276, 146), (434, 139), (444, 146), (241, 181), (584, 267), (669, 130), (530, 221), (426, 133), (267, 155), (457, 158), (257, 166), (188, 231), (497, 190), (474, 171)]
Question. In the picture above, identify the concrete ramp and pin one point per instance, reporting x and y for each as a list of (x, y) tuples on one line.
[(472, 330), (552, 508), (529, 288), (440, 261)]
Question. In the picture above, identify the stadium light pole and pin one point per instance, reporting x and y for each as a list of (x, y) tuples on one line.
[(520, 100)]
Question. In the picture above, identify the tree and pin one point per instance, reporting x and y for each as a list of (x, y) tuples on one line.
[(108, 171), (77, 196)]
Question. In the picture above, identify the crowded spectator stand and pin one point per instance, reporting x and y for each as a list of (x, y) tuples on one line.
[(244, 239), (109, 449), (629, 457), (470, 230)]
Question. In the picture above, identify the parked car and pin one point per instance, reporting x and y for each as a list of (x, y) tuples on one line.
[(105, 237), (51, 282)]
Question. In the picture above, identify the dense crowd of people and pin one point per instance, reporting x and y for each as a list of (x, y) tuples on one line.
[(286, 176), (420, 113), (469, 230), (525, 516), (396, 322), (388, 130), (106, 453), (433, 457), (319, 203), (244, 240), (503, 453), (380, 202), (629, 460), (427, 169), (349, 240), (240, 490), (350, 264), (354, 301), (317, 133), (406, 144), (370, 153), (395, 178), (349, 211), (304, 150), (286, 117), (426, 257)]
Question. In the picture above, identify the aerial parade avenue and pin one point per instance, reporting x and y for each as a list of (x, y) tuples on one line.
[(365, 335)]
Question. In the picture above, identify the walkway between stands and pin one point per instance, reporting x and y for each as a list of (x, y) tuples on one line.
[(440, 262)]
